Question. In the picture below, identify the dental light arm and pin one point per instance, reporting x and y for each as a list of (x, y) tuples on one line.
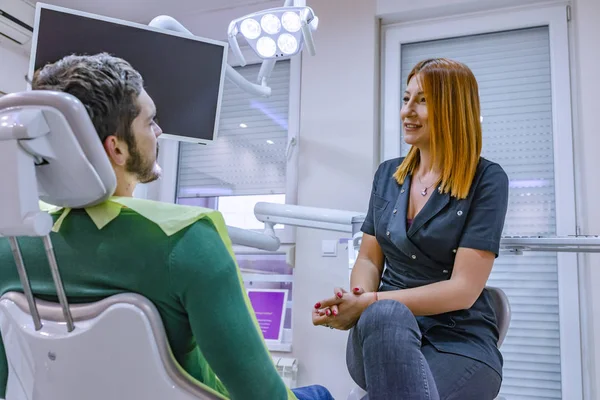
[(307, 217), (263, 241)]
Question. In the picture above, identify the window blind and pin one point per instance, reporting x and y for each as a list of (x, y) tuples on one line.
[(513, 72), (249, 155)]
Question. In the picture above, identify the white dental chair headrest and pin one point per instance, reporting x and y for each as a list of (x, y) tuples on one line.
[(71, 166)]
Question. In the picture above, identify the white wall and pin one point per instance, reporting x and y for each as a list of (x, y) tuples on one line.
[(585, 59), (14, 66)]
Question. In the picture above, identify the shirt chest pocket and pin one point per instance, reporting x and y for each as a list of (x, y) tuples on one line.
[(380, 206), (379, 203)]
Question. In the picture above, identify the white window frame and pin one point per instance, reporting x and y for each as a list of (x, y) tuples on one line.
[(555, 17), (166, 188)]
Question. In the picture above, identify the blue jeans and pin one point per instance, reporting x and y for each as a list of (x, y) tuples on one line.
[(387, 358), (314, 392)]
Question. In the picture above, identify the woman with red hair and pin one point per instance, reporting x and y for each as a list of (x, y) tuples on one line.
[(424, 327)]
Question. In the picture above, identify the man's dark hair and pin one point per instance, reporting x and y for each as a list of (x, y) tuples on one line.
[(107, 86)]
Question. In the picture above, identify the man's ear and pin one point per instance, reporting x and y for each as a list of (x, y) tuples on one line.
[(116, 150)]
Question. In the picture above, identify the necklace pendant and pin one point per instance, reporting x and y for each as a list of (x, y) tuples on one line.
[(424, 192)]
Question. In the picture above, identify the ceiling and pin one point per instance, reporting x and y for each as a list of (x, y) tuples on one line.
[(143, 11)]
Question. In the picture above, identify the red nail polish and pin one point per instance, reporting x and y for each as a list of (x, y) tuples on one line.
[(318, 305), (356, 289), (328, 312), (335, 313), (339, 295)]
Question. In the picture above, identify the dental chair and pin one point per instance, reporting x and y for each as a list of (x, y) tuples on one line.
[(114, 349), (503, 315)]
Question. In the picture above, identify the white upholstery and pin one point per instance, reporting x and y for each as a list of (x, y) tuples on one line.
[(55, 128), (118, 351)]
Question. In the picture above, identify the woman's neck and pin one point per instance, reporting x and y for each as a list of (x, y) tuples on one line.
[(425, 168)]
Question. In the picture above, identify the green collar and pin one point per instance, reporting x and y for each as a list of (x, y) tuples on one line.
[(171, 218)]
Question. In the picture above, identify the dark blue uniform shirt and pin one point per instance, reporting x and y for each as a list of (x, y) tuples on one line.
[(425, 252)]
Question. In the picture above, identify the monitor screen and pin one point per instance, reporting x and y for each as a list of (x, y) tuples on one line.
[(183, 75)]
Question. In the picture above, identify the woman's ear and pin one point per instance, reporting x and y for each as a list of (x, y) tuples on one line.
[(116, 150)]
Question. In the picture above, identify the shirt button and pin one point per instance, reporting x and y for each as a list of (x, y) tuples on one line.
[(445, 271), (454, 250), (459, 213), (387, 233), (402, 191), (395, 211), (414, 257)]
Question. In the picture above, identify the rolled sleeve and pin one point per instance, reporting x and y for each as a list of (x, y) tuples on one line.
[(485, 220), (368, 225)]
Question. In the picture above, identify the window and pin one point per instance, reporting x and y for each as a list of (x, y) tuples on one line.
[(518, 59), (249, 161), (238, 211), (252, 160)]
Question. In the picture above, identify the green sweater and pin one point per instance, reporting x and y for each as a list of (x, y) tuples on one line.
[(189, 276)]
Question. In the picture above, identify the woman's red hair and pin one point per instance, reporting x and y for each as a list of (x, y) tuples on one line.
[(452, 98)]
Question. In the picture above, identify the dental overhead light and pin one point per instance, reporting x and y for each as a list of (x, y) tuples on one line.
[(275, 33)]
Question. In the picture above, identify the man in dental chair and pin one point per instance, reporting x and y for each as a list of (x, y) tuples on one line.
[(187, 270)]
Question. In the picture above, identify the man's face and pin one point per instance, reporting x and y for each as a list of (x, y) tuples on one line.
[(142, 161)]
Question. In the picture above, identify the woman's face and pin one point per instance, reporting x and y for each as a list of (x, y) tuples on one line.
[(414, 115)]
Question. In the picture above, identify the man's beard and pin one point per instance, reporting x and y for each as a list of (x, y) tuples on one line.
[(146, 170)]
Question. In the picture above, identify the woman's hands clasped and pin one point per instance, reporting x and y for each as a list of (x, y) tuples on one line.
[(343, 310)]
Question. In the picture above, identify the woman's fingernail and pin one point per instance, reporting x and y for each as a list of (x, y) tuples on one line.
[(328, 312), (339, 295), (318, 305), (334, 313), (356, 289)]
